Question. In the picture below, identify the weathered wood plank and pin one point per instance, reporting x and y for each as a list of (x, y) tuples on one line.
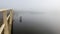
[(1, 28), (8, 16), (2, 10), (6, 30)]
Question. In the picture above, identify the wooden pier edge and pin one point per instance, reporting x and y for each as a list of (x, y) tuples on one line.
[(7, 27)]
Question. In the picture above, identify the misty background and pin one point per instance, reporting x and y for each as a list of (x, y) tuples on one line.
[(37, 15)]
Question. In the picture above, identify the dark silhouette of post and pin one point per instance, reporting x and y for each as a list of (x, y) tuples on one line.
[(20, 18)]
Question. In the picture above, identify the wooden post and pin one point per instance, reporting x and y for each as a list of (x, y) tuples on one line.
[(6, 30), (10, 22), (11, 12)]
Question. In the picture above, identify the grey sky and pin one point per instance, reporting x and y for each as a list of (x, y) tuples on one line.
[(31, 5)]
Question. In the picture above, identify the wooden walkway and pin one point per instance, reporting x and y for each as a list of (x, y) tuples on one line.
[(6, 22)]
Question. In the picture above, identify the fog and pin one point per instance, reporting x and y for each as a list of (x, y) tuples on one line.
[(37, 16), (38, 21)]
